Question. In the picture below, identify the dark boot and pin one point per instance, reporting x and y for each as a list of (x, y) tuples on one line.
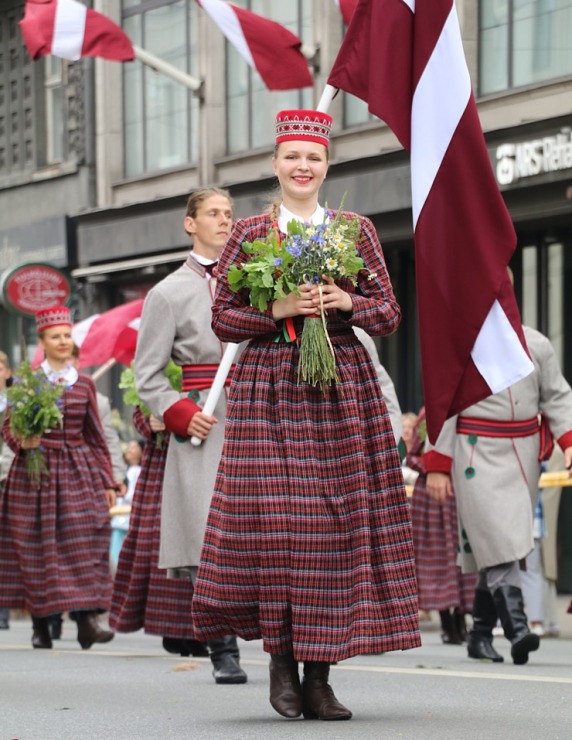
[(56, 623), (185, 648), (480, 639), (285, 689), (510, 608), (89, 630), (4, 619), (225, 659), (41, 634), (449, 633), (460, 625), (318, 696)]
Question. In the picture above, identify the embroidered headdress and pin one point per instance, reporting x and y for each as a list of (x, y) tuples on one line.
[(53, 316), (303, 125)]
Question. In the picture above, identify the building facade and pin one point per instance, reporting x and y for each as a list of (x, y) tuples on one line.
[(134, 143)]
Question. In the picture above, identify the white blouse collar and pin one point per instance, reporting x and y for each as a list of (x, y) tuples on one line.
[(68, 376), (284, 215)]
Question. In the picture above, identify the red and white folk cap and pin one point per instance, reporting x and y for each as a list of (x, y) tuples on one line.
[(53, 316), (303, 125)]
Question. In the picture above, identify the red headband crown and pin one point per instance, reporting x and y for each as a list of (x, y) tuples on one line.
[(53, 316), (303, 125)]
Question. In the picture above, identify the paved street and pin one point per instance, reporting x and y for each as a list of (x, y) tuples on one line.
[(131, 690)]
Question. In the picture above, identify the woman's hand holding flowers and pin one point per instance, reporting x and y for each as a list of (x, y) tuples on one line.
[(32, 443)]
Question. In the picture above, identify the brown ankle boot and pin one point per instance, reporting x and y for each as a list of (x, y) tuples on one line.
[(41, 634), (285, 690), (90, 631), (319, 699)]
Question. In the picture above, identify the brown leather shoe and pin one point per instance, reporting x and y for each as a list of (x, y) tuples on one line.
[(90, 631), (41, 635), (285, 689), (318, 696)]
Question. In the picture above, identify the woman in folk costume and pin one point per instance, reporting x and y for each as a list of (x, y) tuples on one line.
[(143, 596), (54, 535), (308, 543), (442, 585), (176, 324), (489, 457)]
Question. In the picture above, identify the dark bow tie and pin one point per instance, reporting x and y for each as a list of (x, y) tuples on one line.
[(210, 268)]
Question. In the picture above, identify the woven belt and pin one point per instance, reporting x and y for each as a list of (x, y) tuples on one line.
[(492, 428), (200, 377), (510, 429)]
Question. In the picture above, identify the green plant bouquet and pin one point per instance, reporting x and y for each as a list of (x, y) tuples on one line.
[(278, 266), (35, 408), (172, 372)]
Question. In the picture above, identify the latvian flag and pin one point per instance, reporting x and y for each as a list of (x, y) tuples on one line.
[(405, 59), (70, 30), (272, 50)]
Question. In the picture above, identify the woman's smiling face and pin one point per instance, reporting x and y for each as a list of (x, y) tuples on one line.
[(300, 167)]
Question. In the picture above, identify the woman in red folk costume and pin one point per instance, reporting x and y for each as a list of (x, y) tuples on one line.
[(308, 544), (54, 534), (441, 583), (143, 595)]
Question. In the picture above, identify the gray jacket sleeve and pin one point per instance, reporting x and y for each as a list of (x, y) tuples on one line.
[(154, 348), (111, 436), (385, 382)]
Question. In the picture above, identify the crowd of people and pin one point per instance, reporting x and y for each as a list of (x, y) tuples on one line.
[(289, 521)]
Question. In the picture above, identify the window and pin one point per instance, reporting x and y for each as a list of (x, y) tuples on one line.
[(160, 115), (523, 42), (55, 107), (17, 102), (249, 104)]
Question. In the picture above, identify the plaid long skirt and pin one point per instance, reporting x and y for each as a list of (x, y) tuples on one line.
[(442, 584), (308, 542), (143, 596), (54, 539)]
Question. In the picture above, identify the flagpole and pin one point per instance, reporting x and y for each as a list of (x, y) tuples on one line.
[(159, 65), (218, 384), (103, 369), (328, 95)]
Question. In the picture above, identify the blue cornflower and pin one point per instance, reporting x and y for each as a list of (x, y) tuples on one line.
[(278, 261), (294, 250)]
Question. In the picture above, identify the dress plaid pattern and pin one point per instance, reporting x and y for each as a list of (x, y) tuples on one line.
[(308, 542), (143, 596), (54, 537), (442, 584)]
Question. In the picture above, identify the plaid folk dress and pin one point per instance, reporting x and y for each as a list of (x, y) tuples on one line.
[(54, 537), (308, 542), (143, 596)]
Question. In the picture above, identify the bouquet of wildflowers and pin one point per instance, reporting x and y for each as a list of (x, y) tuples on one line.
[(173, 373), (35, 408), (277, 267)]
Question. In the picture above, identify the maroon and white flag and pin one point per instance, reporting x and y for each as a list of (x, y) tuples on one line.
[(347, 8), (70, 30), (405, 59), (270, 48), (109, 335)]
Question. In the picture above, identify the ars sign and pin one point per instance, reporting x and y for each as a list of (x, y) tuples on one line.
[(28, 288)]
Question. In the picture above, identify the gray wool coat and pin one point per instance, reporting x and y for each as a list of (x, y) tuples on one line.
[(496, 505), (176, 323)]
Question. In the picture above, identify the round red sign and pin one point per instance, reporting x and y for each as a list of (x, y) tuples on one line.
[(28, 288)]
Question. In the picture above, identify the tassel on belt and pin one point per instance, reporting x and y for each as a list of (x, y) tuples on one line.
[(200, 377)]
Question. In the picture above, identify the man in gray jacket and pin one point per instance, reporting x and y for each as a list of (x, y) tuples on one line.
[(491, 455)]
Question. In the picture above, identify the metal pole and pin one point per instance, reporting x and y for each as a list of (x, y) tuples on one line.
[(167, 69)]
